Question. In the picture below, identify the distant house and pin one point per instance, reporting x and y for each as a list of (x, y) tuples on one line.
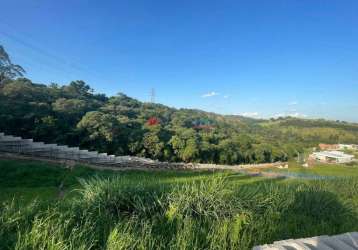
[(323, 146), (331, 157)]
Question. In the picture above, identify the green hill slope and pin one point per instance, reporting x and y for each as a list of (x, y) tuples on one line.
[(75, 116)]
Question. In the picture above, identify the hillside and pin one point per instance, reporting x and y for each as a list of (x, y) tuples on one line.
[(74, 115)]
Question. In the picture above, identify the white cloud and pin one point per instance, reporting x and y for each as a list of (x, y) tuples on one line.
[(226, 96), (293, 103), (295, 114), (251, 114), (210, 94), (279, 115), (298, 115)]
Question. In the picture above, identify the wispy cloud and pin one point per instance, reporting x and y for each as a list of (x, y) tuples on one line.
[(226, 96), (293, 103), (294, 114), (210, 94), (251, 114), (298, 115)]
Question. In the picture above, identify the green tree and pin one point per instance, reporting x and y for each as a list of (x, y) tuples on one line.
[(70, 106), (8, 70), (186, 145), (153, 146), (229, 152), (99, 131)]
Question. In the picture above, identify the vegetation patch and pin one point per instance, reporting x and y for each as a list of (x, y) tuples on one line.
[(175, 210)]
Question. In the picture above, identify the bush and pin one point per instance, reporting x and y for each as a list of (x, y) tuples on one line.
[(211, 213)]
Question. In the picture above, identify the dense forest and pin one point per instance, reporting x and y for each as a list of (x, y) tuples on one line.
[(74, 115)]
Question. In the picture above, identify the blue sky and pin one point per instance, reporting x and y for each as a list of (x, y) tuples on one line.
[(257, 58)]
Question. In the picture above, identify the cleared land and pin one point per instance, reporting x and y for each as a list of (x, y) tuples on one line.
[(47, 207)]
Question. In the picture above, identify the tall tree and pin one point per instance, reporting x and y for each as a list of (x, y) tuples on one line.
[(8, 70)]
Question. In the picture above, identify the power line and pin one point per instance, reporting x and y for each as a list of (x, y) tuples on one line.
[(67, 67)]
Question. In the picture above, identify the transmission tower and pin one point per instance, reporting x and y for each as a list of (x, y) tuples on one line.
[(152, 95)]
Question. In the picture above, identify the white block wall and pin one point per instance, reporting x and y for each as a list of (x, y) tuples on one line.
[(12, 144)]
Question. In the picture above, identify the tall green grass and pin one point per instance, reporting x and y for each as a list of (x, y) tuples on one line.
[(213, 212)]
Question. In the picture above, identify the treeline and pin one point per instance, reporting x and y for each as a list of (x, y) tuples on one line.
[(74, 115)]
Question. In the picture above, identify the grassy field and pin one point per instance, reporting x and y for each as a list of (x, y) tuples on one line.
[(167, 209), (334, 170)]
